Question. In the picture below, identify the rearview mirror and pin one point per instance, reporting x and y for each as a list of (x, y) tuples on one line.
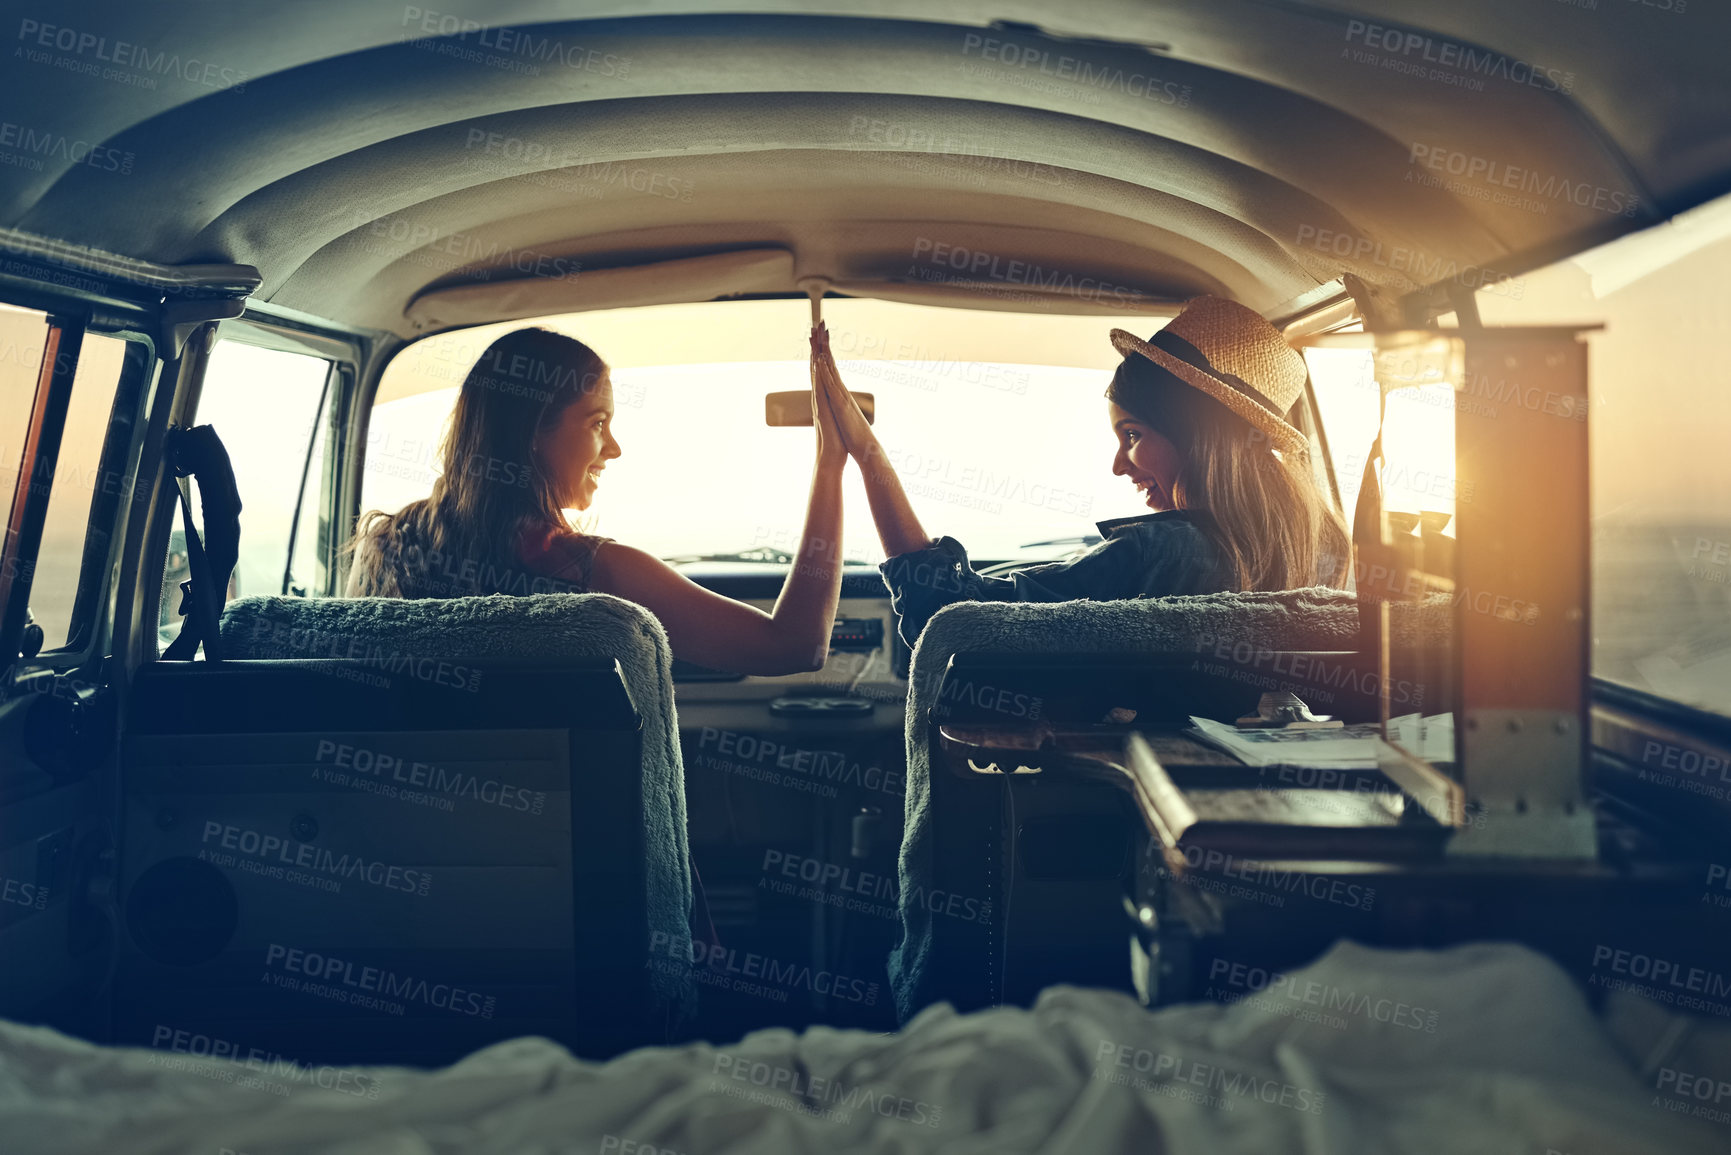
[(794, 408)]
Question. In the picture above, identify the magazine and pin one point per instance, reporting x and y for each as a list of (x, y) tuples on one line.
[(1346, 748)]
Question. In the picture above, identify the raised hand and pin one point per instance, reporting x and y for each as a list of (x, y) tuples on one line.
[(855, 431), (898, 526), (832, 447)]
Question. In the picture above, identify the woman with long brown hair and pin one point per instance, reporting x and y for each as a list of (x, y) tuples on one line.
[(1199, 414), (528, 441)]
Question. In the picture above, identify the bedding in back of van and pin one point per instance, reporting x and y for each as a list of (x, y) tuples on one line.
[(1476, 1049), (1318, 618), (536, 627)]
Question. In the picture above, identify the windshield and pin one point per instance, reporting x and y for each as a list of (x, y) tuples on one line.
[(996, 423)]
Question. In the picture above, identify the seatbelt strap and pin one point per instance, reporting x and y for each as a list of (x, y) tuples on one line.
[(199, 453)]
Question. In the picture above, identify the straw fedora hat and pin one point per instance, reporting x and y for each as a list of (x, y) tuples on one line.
[(1235, 356)]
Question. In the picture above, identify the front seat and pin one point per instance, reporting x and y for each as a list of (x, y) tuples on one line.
[(395, 831), (1057, 847)]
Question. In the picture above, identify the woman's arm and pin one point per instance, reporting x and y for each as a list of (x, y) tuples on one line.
[(899, 527), (712, 630)]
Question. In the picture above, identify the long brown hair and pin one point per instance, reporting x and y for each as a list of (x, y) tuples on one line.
[(1274, 527), (463, 539)]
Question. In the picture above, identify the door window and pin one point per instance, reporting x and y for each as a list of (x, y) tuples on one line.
[(266, 405), (1417, 433), (21, 335), (78, 476), (1660, 409)]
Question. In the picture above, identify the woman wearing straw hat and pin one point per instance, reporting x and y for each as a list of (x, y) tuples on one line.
[(1199, 412)]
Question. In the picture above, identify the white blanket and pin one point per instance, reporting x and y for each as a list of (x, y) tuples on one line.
[(1480, 1050)]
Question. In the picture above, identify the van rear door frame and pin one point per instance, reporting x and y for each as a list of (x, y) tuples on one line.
[(58, 709)]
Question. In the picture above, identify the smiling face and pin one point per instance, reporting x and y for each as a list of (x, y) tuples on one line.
[(579, 445), (1146, 458)]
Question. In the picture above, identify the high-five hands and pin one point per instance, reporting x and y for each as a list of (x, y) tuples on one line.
[(855, 432), (898, 525), (832, 447)]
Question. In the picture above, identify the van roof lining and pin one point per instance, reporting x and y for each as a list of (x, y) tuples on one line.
[(1271, 147)]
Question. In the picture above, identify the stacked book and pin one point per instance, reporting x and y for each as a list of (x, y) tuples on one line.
[(1337, 748), (1316, 793)]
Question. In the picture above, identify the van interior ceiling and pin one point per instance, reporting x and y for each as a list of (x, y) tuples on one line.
[(1428, 855)]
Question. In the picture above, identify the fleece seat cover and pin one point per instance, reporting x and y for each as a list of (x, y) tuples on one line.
[(1486, 1049), (1317, 618), (539, 627)]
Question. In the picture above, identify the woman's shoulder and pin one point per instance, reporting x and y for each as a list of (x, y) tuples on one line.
[(1175, 551), (1168, 527), (562, 554)]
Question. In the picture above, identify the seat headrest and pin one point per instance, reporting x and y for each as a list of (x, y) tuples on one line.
[(539, 626)]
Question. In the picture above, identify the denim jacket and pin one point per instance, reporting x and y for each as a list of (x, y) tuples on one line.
[(1155, 555)]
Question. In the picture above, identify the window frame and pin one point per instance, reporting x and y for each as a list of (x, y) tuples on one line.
[(348, 352), (110, 507), (321, 503), (165, 310), (109, 511), (1334, 315), (21, 545), (1623, 718), (1618, 710), (43, 317)]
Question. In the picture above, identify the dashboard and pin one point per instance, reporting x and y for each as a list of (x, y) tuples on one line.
[(867, 658)]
